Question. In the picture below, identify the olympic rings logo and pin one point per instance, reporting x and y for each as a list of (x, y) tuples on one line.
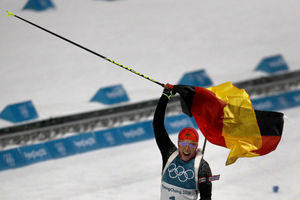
[(180, 173)]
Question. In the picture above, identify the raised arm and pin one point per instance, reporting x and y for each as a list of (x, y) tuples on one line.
[(164, 143)]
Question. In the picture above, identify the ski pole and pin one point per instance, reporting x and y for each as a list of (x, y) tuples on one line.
[(82, 47), (204, 145)]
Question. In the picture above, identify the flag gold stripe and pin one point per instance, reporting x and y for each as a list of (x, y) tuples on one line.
[(240, 129)]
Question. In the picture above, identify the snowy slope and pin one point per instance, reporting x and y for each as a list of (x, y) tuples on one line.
[(163, 40)]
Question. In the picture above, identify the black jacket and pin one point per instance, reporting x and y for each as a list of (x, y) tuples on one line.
[(167, 147)]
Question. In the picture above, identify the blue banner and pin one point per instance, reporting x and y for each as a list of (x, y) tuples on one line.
[(196, 78), (108, 137), (83, 142), (38, 5), (278, 102), (111, 95), (60, 148), (136, 132), (19, 112), (272, 64), (35, 153), (174, 124), (11, 159)]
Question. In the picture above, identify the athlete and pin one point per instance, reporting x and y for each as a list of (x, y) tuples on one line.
[(183, 166)]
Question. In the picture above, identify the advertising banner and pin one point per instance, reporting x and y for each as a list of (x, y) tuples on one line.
[(35, 153), (196, 78), (136, 132), (108, 137), (174, 124), (111, 95), (19, 112), (11, 159), (272, 64), (38, 5), (278, 102), (83, 142), (60, 148)]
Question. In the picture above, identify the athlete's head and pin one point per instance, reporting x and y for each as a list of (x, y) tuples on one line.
[(187, 143)]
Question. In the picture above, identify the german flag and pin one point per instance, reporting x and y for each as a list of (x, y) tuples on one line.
[(225, 116)]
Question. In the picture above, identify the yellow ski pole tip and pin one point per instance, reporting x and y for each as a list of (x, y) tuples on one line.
[(10, 14)]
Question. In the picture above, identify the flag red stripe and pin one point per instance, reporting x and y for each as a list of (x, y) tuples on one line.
[(208, 112), (269, 143)]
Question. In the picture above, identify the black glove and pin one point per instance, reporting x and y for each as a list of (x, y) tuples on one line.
[(168, 91)]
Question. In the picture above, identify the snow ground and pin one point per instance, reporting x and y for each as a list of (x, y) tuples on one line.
[(133, 172), (163, 40)]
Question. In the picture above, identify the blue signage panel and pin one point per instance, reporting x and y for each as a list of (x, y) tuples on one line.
[(196, 78), (83, 142), (38, 5), (148, 125), (293, 98), (111, 95), (267, 103), (136, 132), (19, 112), (194, 123), (278, 102), (60, 148), (11, 159), (272, 64), (35, 153), (108, 137), (174, 124)]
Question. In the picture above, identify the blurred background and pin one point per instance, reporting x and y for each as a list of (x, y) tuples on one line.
[(75, 126)]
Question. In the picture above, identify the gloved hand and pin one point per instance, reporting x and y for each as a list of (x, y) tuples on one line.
[(169, 86), (168, 91)]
